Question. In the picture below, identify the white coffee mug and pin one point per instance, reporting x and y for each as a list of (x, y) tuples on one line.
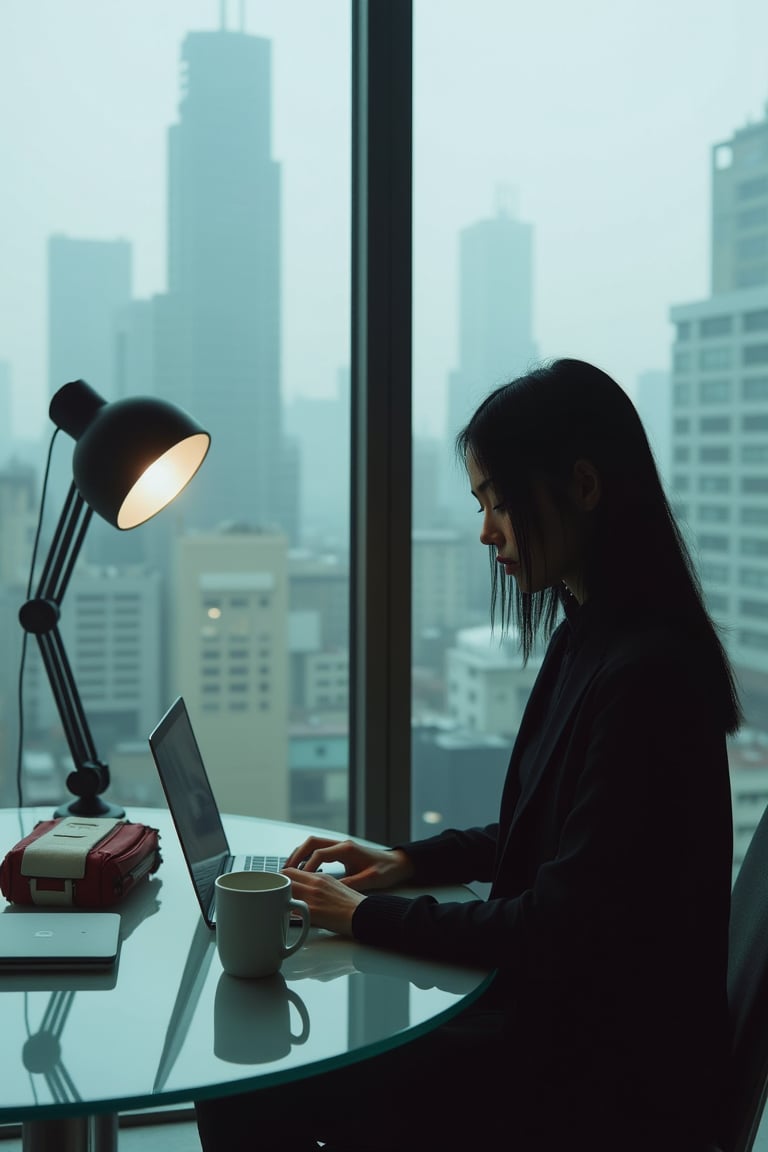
[(252, 921)]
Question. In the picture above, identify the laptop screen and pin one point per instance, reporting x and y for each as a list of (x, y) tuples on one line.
[(190, 799)]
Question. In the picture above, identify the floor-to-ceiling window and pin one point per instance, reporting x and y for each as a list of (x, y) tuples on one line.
[(590, 180), (175, 221)]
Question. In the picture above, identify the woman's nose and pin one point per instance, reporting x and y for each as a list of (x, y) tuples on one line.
[(488, 531)]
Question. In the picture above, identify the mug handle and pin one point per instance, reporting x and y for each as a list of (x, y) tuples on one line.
[(300, 907), (301, 1008)]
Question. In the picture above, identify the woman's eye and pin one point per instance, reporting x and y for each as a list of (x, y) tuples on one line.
[(499, 507)]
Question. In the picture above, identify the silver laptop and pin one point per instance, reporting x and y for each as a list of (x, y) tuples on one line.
[(195, 813), (58, 940)]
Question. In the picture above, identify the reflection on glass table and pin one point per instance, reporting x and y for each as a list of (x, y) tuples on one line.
[(167, 1026)]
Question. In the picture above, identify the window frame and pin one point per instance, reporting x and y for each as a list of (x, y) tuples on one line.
[(381, 353)]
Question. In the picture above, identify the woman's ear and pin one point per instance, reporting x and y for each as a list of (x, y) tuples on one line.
[(585, 485)]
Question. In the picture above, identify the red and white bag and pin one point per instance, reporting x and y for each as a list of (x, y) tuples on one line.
[(79, 862)]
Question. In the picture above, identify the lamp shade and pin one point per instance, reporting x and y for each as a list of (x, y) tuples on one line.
[(132, 456)]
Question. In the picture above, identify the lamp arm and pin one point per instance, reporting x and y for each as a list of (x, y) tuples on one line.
[(40, 616)]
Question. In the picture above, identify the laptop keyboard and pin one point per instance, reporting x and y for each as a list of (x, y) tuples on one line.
[(264, 863)]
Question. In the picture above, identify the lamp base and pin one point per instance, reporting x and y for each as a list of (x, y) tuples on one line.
[(90, 806)]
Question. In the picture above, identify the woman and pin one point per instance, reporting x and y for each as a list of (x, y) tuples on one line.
[(610, 863)]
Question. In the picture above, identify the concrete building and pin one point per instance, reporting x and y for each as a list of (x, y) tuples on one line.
[(18, 515), (495, 310), (740, 209), (319, 775), (488, 687), (111, 624), (218, 334), (319, 636), (228, 610), (654, 406), (458, 777), (720, 413), (439, 597), (111, 628), (748, 760), (320, 426), (89, 282)]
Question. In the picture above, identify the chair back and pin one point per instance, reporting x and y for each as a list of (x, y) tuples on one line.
[(747, 1079)]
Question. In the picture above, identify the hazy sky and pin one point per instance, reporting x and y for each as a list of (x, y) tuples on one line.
[(600, 114)]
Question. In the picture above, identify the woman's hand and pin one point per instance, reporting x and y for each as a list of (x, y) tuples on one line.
[(366, 868), (331, 902)]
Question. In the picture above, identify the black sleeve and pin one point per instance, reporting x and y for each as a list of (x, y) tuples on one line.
[(648, 825), (454, 856)]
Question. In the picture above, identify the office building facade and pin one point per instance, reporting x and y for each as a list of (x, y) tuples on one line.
[(229, 650), (719, 475), (495, 316), (89, 282), (219, 328)]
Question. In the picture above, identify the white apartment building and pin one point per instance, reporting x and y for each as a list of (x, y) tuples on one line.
[(488, 687), (229, 659)]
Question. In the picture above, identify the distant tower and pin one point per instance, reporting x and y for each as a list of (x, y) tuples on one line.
[(89, 282), (495, 308), (719, 381), (229, 619), (740, 209), (89, 287), (495, 327), (218, 338)]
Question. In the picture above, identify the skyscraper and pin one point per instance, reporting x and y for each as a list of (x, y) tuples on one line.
[(495, 310), (218, 339), (89, 281), (720, 412), (89, 286), (229, 616), (495, 327), (740, 209)]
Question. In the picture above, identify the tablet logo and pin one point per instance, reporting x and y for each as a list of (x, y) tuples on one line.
[(44, 932)]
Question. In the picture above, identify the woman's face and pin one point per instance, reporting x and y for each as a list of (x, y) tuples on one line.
[(555, 543)]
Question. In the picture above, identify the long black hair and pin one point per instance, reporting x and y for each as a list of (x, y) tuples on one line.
[(529, 433)]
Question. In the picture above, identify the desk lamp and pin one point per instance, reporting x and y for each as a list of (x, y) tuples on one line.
[(131, 458)]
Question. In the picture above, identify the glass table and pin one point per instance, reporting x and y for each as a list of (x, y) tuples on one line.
[(167, 1025)]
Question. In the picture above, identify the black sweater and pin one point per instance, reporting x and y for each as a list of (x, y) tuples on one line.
[(610, 863)]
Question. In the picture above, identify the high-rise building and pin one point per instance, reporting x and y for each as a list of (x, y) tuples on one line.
[(740, 209), (111, 624), (219, 328), (89, 286), (654, 406), (495, 311), (439, 591), (320, 426), (229, 616), (719, 465), (89, 282), (318, 636), (488, 683), (18, 516)]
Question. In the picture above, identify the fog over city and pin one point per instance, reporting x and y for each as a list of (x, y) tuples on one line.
[(594, 121)]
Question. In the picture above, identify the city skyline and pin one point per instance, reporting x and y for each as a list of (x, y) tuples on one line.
[(619, 212)]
